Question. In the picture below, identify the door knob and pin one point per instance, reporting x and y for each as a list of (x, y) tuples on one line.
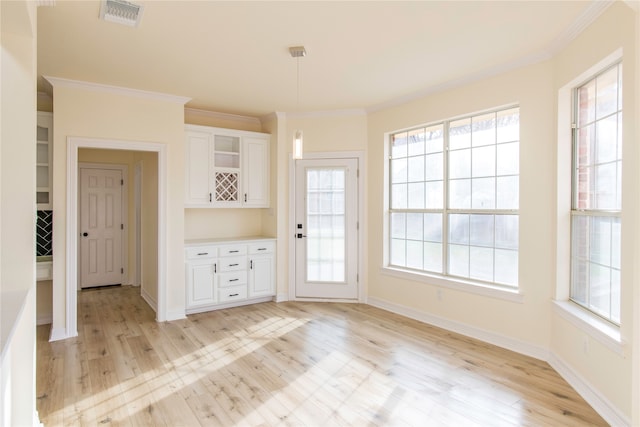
[(85, 234)]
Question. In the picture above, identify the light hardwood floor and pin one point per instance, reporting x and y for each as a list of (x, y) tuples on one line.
[(315, 364)]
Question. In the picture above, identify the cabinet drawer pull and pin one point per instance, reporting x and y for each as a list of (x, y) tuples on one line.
[(234, 280), (251, 265), (233, 295), (233, 265), (234, 252), (262, 249), (215, 268), (203, 253)]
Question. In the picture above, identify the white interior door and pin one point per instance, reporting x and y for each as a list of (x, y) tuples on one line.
[(100, 227), (326, 228)]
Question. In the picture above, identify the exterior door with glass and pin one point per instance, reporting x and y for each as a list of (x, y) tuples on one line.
[(326, 228)]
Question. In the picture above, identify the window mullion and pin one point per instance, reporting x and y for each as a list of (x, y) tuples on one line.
[(445, 199)]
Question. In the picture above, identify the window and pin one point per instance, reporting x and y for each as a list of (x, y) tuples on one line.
[(454, 190), (596, 195)]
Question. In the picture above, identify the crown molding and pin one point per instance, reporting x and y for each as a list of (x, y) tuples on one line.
[(586, 18), (276, 115), (325, 113), (116, 90), (222, 116), (48, 3)]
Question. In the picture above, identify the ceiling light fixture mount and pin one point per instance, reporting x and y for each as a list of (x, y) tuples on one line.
[(297, 52)]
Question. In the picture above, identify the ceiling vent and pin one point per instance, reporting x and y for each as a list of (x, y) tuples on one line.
[(121, 12)]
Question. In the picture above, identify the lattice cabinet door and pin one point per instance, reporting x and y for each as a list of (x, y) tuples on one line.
[(227, 187)]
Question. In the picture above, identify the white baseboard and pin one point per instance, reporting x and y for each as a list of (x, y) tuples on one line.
[(282, 297), (175, 315), (503, 341), (594, 398), (44, 319), (149, 300), (58, 334)]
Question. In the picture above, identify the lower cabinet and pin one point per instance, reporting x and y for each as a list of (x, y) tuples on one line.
[(201, 282), (226, 273)]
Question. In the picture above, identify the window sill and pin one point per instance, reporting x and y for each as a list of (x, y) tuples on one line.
[(513, 295), (599, 329)]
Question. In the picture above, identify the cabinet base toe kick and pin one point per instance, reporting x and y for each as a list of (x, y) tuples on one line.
[(230, 304)]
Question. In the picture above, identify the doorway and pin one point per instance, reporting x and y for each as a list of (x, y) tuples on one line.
[(72, 238), (326, 239)]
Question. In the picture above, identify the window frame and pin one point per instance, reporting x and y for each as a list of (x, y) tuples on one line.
[(445, 278), (590, 213)]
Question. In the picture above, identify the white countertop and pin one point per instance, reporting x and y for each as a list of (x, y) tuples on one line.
[(210, 241)]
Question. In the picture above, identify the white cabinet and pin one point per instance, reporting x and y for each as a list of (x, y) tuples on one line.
[(226, 273), (44, 163), (201, 270), (226, 168), (261, 269)]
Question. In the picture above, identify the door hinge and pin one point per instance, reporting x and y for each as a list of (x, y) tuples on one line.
[(121, 226), (357, 277), (122, 182), (122, 271), (357, 173), (358, 225)]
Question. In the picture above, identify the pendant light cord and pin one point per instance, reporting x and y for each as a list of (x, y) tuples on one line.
[(298, 84)]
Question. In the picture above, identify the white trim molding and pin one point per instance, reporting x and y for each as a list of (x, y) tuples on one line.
[(149, 299), (513, 295), (361, 177), (499, 340), (118, 90), (222, 116), (599, 329), (71, 272), (589, 393)]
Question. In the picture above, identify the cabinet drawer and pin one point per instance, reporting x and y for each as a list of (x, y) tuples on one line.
[(232, 250), (233, 263), (262, 248), (232, 293), (233, 278), (201, 252)]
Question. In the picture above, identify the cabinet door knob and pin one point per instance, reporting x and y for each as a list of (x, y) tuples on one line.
[(85, 234)]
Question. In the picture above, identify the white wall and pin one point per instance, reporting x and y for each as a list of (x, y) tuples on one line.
[(81, 111), (605, 371), (529, 326), (528, 321), (17, 217)]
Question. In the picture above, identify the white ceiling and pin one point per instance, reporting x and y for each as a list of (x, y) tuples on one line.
[(233, 57)]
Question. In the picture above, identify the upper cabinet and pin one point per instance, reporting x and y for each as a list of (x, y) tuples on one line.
[(226, 168), (44, 163)]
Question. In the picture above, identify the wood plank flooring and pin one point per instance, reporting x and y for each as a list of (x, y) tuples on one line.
[(312, 364)]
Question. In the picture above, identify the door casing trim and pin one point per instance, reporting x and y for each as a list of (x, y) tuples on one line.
[(361, 177), (71, 268)]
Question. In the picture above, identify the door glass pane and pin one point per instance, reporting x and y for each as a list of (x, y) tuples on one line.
[(326, 245)]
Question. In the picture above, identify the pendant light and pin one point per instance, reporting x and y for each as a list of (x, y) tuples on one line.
[(297, 52)]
